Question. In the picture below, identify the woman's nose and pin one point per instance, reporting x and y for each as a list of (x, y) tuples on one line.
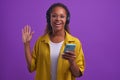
[(57, 18)]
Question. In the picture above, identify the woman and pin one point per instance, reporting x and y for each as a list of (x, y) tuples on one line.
[(48, 58)]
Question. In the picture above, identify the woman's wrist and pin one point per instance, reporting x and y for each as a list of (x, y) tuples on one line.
[(72, 62), (74, 69), (27, 43)]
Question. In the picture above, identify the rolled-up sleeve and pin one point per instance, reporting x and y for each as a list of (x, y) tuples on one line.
[(34, 57), (80, 58)]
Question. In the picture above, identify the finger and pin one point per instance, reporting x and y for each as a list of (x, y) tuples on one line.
[(29, 29), (70, 52), (25, 29), (65, 57), (31, 33), (68, 58), (68, 55), (71, 56)]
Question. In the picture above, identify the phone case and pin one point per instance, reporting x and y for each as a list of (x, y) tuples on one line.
[(69, 47)]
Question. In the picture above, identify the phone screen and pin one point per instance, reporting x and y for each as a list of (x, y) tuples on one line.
[(69, 47)]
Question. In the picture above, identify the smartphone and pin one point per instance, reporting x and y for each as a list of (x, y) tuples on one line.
[(69, 47)]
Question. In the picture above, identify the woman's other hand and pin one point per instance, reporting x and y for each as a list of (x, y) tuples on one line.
[(27, 34)]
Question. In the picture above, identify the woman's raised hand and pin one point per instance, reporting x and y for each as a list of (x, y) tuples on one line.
[(27, 34)]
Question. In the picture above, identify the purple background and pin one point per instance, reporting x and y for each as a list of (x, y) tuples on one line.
[(95, 22)]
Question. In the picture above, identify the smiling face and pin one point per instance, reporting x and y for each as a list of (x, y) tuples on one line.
[(58, 19)]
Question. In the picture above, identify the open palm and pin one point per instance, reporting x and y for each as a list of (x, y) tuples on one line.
[(26, 34)]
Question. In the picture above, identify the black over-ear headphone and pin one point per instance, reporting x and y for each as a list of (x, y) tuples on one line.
[(50, 10)]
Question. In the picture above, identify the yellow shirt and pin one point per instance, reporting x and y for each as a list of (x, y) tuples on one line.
[(41, 61)]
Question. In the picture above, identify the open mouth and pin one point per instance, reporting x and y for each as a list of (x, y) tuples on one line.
[(58, 23)]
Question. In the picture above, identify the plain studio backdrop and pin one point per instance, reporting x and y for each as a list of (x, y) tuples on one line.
[(95, 22)]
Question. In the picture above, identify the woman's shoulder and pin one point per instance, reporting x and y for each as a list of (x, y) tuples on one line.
[(71, 37), (43, 38), (77, 40)]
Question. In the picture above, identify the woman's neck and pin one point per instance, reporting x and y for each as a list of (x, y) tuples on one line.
[(58, 33), (57, 36)]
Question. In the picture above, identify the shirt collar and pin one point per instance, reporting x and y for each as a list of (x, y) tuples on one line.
[(68, 38)]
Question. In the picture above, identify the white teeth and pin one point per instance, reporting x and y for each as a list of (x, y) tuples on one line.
[(57, 23)]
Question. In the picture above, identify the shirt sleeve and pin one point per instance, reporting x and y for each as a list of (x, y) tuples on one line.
[(80, 57), (34, 57)]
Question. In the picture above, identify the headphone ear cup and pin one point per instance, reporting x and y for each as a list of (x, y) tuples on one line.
[(48, 22), (48, 16), (48, 19), (68, 20)]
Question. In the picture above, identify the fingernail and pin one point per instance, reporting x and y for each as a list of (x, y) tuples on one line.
[(67, 51)]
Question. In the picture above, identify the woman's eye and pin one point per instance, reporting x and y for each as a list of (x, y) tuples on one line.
[(62, 16), (54, 16)]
